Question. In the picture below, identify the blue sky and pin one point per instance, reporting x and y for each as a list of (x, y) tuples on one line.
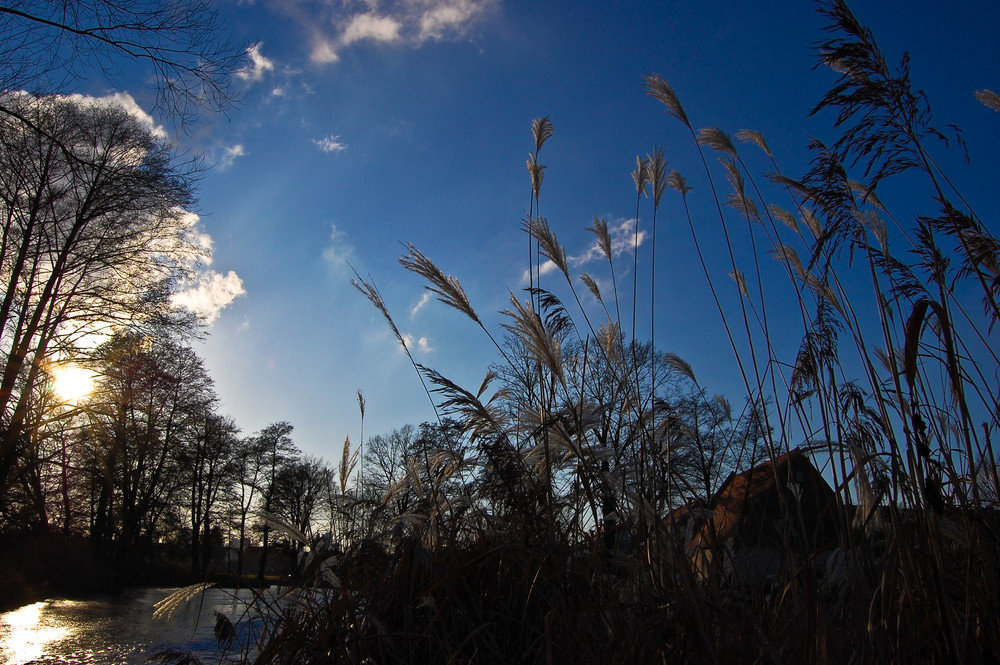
[(369, 124)]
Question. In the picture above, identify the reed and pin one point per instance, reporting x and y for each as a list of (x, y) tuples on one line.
[(597, 504)]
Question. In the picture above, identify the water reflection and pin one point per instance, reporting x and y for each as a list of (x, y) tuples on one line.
[(120, 628), (26, 634)]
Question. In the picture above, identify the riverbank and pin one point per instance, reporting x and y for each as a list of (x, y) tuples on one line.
[(34, 568), (38, 567)]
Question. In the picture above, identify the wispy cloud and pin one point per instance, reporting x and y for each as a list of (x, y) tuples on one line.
[(371, 26), (448, 17), (407, 22), (324, 49), (543, 269), (258, 66), (209, 294), (194, 235), (229, 155), (623, 241), (331, 143), (424, 299), (338, 251)]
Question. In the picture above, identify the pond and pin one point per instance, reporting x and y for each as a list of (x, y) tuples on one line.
[(121, 628)]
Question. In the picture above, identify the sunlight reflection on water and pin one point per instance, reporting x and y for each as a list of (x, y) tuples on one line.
[(115, 629), (24, 635)]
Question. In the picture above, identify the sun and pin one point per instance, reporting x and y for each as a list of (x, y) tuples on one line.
[(72, 383)]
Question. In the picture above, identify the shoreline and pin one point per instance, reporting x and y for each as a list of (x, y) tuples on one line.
[(34, 568)]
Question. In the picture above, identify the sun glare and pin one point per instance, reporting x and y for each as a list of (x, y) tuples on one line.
[(26, 633), (72, 383)]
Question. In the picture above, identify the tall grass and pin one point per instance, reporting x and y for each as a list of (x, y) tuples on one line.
[(558, 534)]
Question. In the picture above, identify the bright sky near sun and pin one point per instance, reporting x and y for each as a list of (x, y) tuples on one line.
[(367, 124)]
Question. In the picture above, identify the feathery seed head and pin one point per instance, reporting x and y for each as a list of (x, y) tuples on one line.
[(813, 222), (541, 129), (656, 168), (640, 176), (786, 218), (592, 285), (370, 291), (867, 194), (447, 288), (347, 463), (677, 181), (790, 257), (717, 140), (677, 363), (741, 282), (537, 172), (989, 99), (600, 229), (609, 336), (658, 88), (876, 226), (727, 408), (739, 199), (755, 137), (538, 338), (548, 245)]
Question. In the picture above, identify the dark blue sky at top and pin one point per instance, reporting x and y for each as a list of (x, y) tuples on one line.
[(433, 134)]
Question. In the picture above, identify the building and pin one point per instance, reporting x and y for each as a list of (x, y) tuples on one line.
[(777, 513)]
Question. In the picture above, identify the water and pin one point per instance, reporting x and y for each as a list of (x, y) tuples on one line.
[(120, 629)]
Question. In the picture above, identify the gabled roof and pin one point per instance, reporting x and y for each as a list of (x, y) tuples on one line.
[(750, 507)]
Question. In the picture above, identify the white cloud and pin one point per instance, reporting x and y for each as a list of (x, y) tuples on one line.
[(447, 16), (409, 22), (424, 299), (544, 269), (127, 102), (324, 51), (370, 26), (623, 239), (229, 155), (198, 238), (259, 65), (190, 247), (421, 344), (338, 252), (331, 143), (210, 293)]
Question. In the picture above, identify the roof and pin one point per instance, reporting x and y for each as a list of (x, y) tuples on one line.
[(752, 507)]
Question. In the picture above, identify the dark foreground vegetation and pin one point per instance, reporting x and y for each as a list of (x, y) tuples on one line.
[(589, 501)]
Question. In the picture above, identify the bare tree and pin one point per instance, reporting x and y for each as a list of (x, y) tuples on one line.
[(48, 47), (95, 232), (276, 451), (147, 410), (209, 467), (300, 488), (385, 463), (705, 441), (249, 471)]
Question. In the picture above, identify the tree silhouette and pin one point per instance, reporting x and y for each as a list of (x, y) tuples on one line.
[(94, 235)]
